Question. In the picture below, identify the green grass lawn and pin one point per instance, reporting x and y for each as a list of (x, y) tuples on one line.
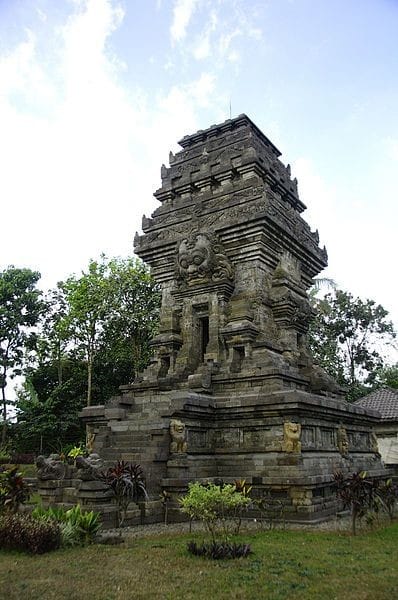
[(284, 565)]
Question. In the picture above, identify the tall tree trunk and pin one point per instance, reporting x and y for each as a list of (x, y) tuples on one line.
[(59, 361), (89, 378), (4, 427)]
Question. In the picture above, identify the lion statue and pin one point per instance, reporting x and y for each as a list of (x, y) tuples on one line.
[(178, 435), (291, 437)]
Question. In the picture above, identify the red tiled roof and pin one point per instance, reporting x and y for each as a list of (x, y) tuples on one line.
[(385, 401)]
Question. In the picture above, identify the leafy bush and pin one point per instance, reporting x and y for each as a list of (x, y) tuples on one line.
[(76, 451), (387, 493), (23, 532), (219, 550), (77, 527), (13, 489), (55, 513), (5, 454), (364, 495), (86, 523), (219, 507), (127, 484)]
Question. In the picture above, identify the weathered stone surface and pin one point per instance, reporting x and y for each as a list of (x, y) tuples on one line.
[(234, 258)]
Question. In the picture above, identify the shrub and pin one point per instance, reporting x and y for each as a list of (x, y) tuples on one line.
[(55, 513), (358, 493), (5, 454), (127, 484), (86, 524), (219, 507), (77, 527), (75, 452), (13, 489), (387, 493), (23, 532), (219, 550)]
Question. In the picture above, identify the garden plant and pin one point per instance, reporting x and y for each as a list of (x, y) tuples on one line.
[(127, 483), (13, 489), (77, 527), (220, 508), (365, 496)]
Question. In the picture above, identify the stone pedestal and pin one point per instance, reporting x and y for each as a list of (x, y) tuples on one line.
[(178, 466)]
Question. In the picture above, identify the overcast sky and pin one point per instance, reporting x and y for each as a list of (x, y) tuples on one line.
[(94, 94)]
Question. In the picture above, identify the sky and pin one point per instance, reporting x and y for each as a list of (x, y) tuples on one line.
[(95, 93)]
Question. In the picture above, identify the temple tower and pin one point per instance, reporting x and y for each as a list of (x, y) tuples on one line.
[(232, 391)]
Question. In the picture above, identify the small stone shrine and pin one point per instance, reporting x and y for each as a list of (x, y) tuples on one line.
[(232, 391)]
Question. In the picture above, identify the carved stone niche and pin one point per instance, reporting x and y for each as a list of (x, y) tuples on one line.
[(166, 347), (291, 309), (201, 258), (239, 337)]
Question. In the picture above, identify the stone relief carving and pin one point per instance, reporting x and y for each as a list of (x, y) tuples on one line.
[(88, 468), (197, 439), (374, 443), (328, 438), (159, 235), (201, 258), (320, 381), (178, 437), (289, 266), (342, 441), (308, 436), (51, 467), (291, 437)]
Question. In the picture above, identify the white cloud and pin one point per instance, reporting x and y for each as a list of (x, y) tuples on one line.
[(182, 14), (319, 196), (225, 30), (392, 148), (23, 80), (202, 47), (78, 174), (356, 233)]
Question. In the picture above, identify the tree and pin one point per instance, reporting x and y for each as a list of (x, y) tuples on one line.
[(47, 412), (112, 312), (387, 376), (20, 309), (94, 336), (348, 338), (53, 342), (87, 305), (134, 314)]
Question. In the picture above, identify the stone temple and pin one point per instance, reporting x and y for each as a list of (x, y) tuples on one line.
[(232, 391)]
